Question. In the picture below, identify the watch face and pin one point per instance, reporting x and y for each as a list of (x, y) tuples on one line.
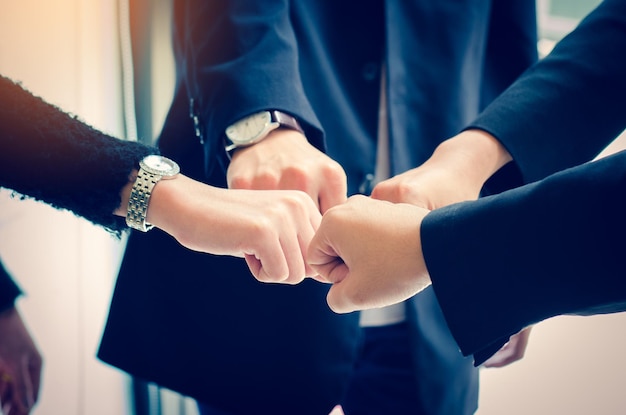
[(249, 129), (160, 165)]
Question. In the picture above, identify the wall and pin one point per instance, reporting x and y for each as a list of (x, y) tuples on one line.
[(67, 52)]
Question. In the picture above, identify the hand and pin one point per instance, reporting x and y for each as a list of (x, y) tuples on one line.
[(285, 160), (371, 251), (271, 229), (20, 365), (512, 351), (455, 172)]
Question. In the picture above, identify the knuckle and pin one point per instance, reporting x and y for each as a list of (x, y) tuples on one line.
[(298, 178), (240, 182), (334, 171), (266, 180)]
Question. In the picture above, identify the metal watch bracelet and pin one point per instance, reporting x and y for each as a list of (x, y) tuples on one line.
[(138, 200)]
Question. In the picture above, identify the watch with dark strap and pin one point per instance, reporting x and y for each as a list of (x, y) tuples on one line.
[(254, 128)]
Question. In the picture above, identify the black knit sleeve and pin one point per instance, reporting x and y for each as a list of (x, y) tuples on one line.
[(53, 157), (9, 291)]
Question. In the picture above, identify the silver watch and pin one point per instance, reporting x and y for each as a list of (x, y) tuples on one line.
[(152, 169), (254, 128)]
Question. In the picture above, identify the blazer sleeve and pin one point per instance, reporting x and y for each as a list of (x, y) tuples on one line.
[(566, 108), (551, 247), (241, 57), (53, 157), (511, 46)]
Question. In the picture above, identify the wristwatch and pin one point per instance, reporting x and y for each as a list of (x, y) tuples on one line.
[(254, 128), (152, 169)]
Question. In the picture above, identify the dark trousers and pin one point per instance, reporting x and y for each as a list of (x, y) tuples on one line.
[(383, 381)]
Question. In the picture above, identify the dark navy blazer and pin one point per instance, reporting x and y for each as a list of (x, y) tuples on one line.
[(201, 324)]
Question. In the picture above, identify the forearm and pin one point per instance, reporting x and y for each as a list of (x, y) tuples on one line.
[(170, 201), (475, 154), (569, 106), (175, 203), (245, 60), (53, 157), (553, 244)]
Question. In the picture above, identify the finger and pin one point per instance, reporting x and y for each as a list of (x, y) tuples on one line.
[(292, 251), (268, 264), (511, 352), (264, 271), (253, 264), (322, 271), (18, 397), (322, 257), (35, 376), (15, 410), (5, 380), (315, 218), (304, 239), (24, 394), (502, 358), (317, 277), (6, 385), (332, 194), (333, 271), (386, 189)]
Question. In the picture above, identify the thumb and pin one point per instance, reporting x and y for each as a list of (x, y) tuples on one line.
[(323, 259), (337, 300)]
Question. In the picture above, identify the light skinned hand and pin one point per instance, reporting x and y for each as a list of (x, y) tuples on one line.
[(270, 229), (20, 365), (455, 172), (512, 351), (370, 250), (285, 160)]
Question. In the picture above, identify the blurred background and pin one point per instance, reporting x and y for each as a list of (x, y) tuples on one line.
[(77, 54)]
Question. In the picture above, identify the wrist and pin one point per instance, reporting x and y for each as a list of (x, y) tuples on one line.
[(164, 202), (280, 139), (169, 203), (476, 153), (122, 209), (256, 127), (135, 196)]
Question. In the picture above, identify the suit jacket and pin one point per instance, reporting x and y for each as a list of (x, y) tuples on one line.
[(554, 246), (200, 324)]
